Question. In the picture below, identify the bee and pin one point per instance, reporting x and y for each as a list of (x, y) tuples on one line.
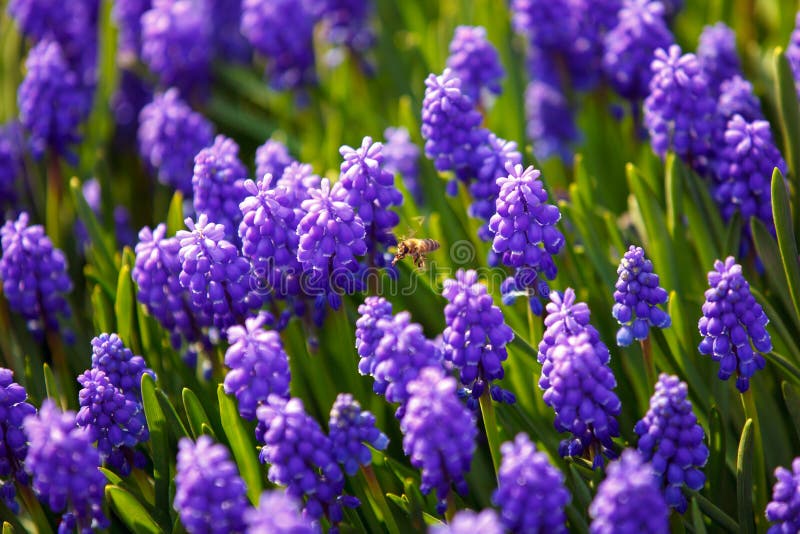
[(416, 248)]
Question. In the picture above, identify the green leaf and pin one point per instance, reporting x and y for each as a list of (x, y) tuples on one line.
[(111, 476), (733, 235), (791, 395), (770, 256), (697, 519), (788, 114), (673, 183), (7, 528), (781, 212), (718, 516), (716, 459), (123, 306), (104, 255), (50, 384), (131, 511), (242, 445), (161, 452), (178, 430), (194, 412), (175, 214), (744, 479)]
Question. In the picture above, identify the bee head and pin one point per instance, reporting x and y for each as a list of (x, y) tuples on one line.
[(402, 248)]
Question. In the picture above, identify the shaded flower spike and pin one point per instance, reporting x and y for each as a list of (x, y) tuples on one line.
[(170, 135), (733, 325), (34, 275), (277, 513), (113, 420), (530, 492), (11, 163), (210, 496), (213, 272), (438, 433), (490, 162), (177, 43), (476, 62), (550, 121), (469, 522), (640, 30), (272, 158), (672, 441), (716, 52), (793, 52), (736, 97), (680, 111), (637, 296), (300, 457), (401, 156), (371, 192), (123, 369), (784, 509), (218, 185), (128, 16), (629, 500), (14, 408), (367, 334), (744, 166), (282, 31), (351, 429), (475, 336), (545, 24), (259, 367), (331, 236), (580, 389), (346, 23), (64, 469)]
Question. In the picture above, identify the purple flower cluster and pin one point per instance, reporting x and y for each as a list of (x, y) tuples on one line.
[(34, 275), (64, 469), (368, 336), (475, 61), (401, 156), (530, 492), (717, 55), (11, 163), (346, 23), (784, 509), (209, 493), (272, 158), (14, 408), (128, 16), (579, 386), (351, 429), (468, 522), (438, 433), (277, 513), (629, 500), (259, 367), (565, 318), (550, 120), (637, 296), (672, 441), (733, 325), (476, 335), (793, 52), (736, 97), (123, 369), (546, 25), (170, 135), (218, 184), (490, 161)]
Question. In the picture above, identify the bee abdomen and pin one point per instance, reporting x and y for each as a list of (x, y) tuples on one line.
[(430, 245)]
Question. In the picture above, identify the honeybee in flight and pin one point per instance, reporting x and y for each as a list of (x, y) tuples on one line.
[(416, 248)]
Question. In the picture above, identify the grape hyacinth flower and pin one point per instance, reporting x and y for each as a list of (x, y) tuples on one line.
[(170, 135), (131, 96), (368, 337), (793, 52), (530, 492), (672, 441), (277, 513), (565, 318), (301, 458), (736, 97), (469, 522), (298, 179), (680, 111), (331, 236), (351, 429), (637, 296), (259, 367), (629, 500), (401, 156), (34, 275), (629, 46), (213, 272), (490, 162), (784, 509), (346, 23), (115, 421), (64, 469), (733, 325), (475, 337), (580, 389), (11, 163), (716, 52), (210, 496), (218, 185), (52, 101), (272, 158), (550, 121), (370, 190), (438, 433), (177, 43), (474, 60), (123, 369), (545, 24), (128, 16), (744, 166), (14, 408)]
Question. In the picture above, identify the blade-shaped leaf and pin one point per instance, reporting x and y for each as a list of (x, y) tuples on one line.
[(782, 214), (194, 412), (791, 395), (242, 445), (161, 453), (131, 511), (175, 214), (744, 479), (123, 306), (788, 114)]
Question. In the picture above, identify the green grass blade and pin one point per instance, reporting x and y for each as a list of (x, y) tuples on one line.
[(788, 113), (194, 412), (744, 479), (791, 395), (242, 445), (161, 452), (131, 511), (787, 244)]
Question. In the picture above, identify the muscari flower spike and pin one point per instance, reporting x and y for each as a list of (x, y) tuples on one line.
[(490, 161), (11, 163), (64, 469), (346, 23), (733, 325), (475, 337), (474, 59), (565, 318), (546, 25), (793, 52), (401, 156), (672, 441), (736, 97), (368, 337), (530, 492), (469, 522), (351, 429), (128, 16), (784, 509), (210, 496), (123, 369), (272, 158), (277, 513), (34, 275), (170, 135), (550, 121), (716, 52), (14, 408), (438, 433), (637, 296), (629, 500), (580, 388), (259, 367)]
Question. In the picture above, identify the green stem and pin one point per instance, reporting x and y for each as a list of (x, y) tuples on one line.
[(380, 500), (490, 422), (759, 475), (649, 364)]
